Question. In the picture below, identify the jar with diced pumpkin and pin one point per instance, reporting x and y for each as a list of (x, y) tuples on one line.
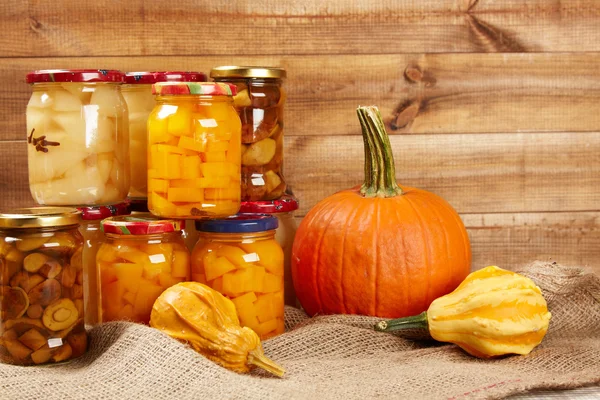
[(283, 209), (240, 258), (139, 258), (194, 151), (259, 101), (92, 240), (77, 137), (137, 91)]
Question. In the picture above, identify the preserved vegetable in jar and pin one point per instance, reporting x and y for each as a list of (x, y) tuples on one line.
[(139, 258), (41, 297), (240, 258), (283, 209), (92, 239), (77, 137), (137, 91), (194, 151), (259, 102)]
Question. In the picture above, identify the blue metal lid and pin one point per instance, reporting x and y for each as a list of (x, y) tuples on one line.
[(240, 223)]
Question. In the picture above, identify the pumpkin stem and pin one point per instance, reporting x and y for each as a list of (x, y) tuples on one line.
[(416, 321), (380, 172)]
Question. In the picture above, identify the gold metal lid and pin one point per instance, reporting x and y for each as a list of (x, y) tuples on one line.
[(231, 71), (39, 217)]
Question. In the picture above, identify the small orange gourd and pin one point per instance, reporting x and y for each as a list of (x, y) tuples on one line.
[(378, 249), (492, 313)]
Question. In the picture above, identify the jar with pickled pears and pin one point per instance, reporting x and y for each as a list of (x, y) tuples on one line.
[(283, 209), (259, 102), (139, 258), (137, 91), (41, 297), (92, 239), (194, 151), (77, 137), (240, 258)]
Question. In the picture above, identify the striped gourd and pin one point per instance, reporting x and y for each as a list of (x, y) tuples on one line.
[(491, 313)]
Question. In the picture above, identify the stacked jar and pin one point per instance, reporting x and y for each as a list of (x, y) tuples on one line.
[(259, 102), (93, 237), (77, 138), (137, 91)]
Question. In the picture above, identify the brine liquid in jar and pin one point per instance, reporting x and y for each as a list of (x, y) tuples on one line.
[(259, 102), (240, 258), (194, 151), (137, 92), (77, 137)]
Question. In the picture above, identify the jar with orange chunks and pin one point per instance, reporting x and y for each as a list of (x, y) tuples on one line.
[(92, 239), (137, 91), (194, 152), (259, 102), (139, 259), (240, 258)]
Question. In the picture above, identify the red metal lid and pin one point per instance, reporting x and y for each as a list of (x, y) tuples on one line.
[(136, 225), (164, 76), (75, 75), (101, 212), (199, 88), (285, 203)]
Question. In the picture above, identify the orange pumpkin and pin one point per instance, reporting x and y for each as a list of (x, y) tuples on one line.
[(378, 249)]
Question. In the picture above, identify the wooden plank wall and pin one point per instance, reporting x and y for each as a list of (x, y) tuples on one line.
[(493, 104)]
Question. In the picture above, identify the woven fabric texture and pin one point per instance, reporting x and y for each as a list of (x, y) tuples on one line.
[(333, 357)]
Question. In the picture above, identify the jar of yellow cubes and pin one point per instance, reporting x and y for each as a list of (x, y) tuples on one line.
[(240, 258), (77, 137), (92, 239), (139, 258), (137, 91), (194, 152)]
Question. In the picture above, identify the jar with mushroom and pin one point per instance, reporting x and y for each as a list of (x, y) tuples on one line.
[(41, 299), (77, 137), (259, 102)]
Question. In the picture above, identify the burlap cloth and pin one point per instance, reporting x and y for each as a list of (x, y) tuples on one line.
[(333, 357)]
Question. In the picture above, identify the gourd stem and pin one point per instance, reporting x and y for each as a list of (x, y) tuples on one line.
[(258, 359), (416, 321), (380, 171)]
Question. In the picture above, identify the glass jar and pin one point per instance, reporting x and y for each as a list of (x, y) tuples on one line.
[(194, 151), (137, 92), (139, 258), (92, 239), (240, 258), (259, 102), (77, 137), (284, 209), (41, 298)]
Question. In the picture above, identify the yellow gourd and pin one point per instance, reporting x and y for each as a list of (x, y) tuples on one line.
[(493, 312), (197, 315)]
